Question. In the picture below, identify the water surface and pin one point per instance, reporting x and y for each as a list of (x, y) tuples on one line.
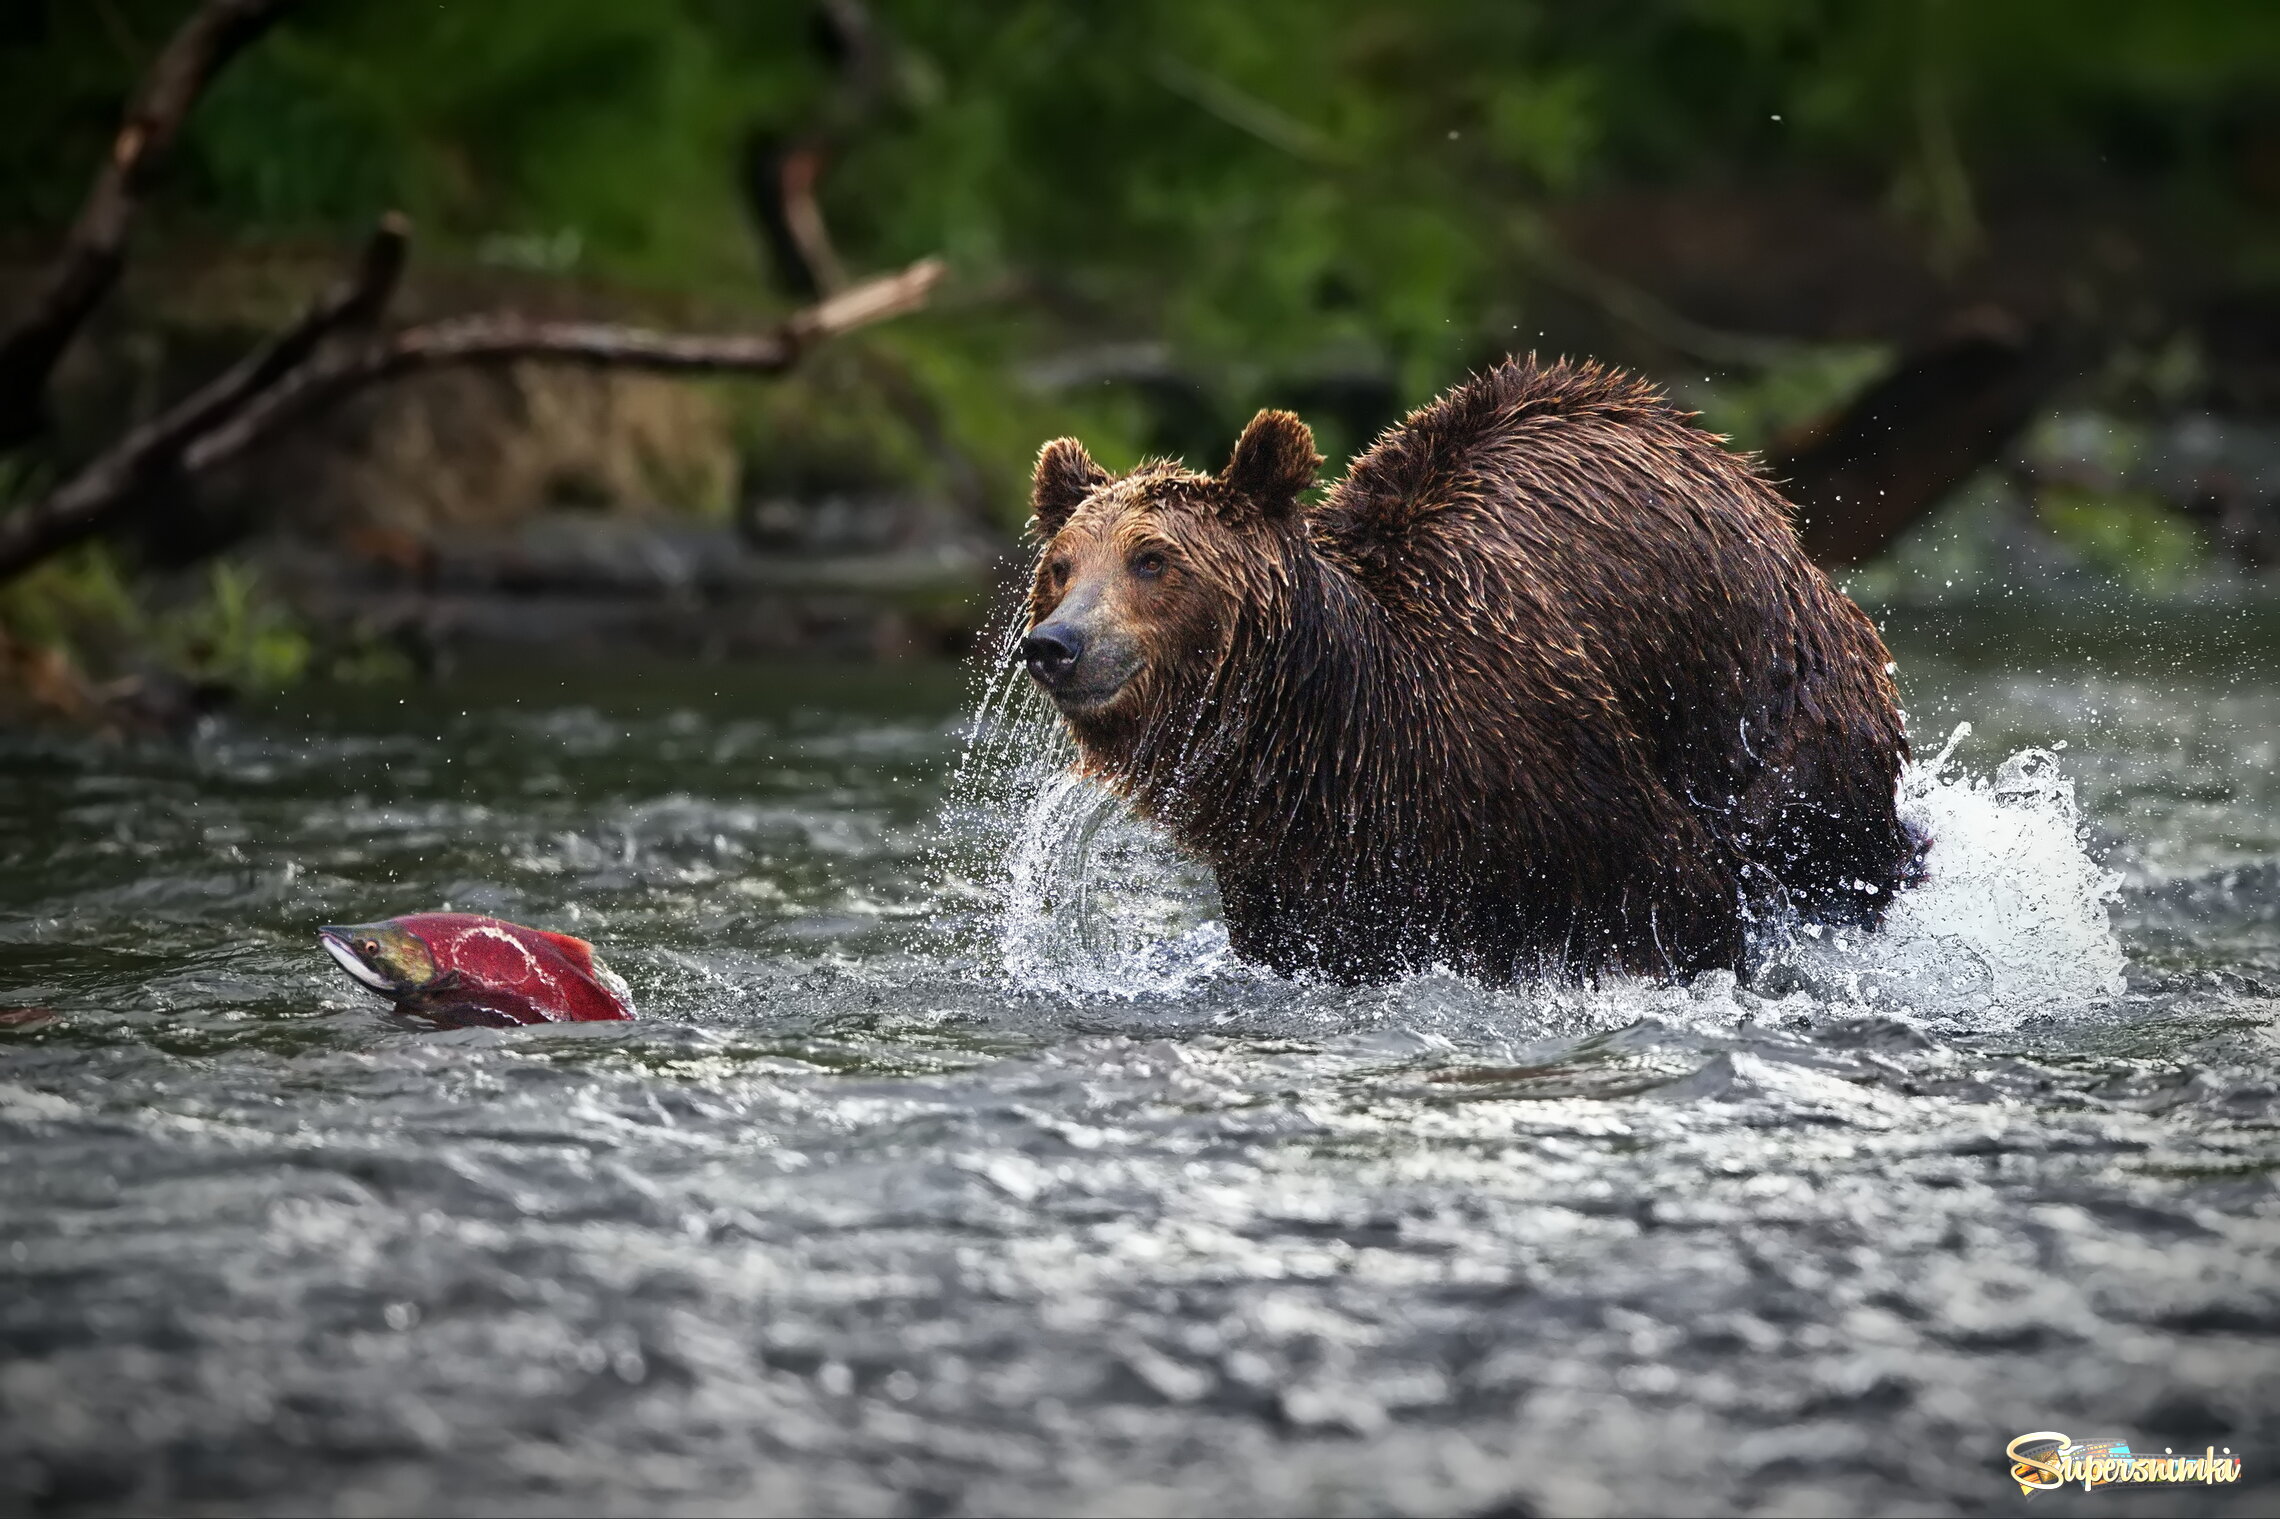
[(954, 1169)]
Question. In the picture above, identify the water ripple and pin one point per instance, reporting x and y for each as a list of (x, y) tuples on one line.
[(955, 1168)]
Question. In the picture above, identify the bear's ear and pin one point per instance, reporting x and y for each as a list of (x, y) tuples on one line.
[(1066, 475), (1273, 461)]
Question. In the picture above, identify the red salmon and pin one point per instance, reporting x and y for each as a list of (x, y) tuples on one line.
[(458, 968)]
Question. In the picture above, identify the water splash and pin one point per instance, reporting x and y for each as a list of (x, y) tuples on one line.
[(1009, 730), (1100, 905), (1079, 898), (2011, 921)]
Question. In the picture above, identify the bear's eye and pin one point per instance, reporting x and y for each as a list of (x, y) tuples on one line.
[(1058, 572), (1148, 565)]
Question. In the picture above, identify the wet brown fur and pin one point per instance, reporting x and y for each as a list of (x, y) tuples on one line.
[(1544, 685)]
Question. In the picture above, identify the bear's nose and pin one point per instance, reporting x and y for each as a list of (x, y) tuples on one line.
[(1051, 652)]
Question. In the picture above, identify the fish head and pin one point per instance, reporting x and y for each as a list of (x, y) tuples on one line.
[(386, 957)]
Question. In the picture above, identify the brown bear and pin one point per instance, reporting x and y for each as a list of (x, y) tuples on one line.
[(1544, 686)]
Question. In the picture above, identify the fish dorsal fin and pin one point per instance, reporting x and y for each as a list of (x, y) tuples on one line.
[(580, 953)]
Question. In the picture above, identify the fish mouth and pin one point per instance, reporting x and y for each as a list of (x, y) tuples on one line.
[(336, 945)]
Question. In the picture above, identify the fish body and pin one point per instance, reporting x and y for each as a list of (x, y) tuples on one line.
[(460, 968)]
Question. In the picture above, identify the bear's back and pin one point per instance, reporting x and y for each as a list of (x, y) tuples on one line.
[(1573, 568), (1572, 479)]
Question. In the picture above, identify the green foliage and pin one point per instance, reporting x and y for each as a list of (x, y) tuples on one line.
[(2130, 535), (1263, 184), (228, 629), (76, 601), (1754, 409), (233, 634), (1280, 195), (81, 602)]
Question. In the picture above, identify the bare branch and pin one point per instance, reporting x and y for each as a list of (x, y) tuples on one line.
[(782, 173), (357, 301), (295, 377), (510, 339), (81, 504), (88, 266), (797, 173)]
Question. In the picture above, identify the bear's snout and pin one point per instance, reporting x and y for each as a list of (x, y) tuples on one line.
[(1080, 655), (1052, 652)]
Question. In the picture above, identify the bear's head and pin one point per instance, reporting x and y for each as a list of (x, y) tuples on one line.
[(1142, 577)]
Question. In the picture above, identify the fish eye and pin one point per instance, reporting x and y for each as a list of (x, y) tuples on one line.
[(1149, 565), (368, 946)]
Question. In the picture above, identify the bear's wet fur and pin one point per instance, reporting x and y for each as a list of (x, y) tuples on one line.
[(1545, 686)]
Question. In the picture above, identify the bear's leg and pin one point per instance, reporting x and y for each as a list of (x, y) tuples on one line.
[(1680, 913), (1822, 819), (1261, 927), (1321, 928), (1638, 882)]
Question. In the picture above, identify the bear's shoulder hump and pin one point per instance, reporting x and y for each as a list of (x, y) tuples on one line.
[(1399, 484)]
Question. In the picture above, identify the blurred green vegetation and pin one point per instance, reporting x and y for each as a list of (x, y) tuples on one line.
[(1280, 191), (1160, 213), (222, 626), (1752, 409), (2130, 535)]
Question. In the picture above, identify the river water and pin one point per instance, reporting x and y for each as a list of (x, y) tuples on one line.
[(953, 1169)]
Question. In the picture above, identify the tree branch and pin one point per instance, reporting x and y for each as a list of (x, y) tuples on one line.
[(297, 376), (782, 173), (510, 339), (153, 450), (93, 251), (357, 301)]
